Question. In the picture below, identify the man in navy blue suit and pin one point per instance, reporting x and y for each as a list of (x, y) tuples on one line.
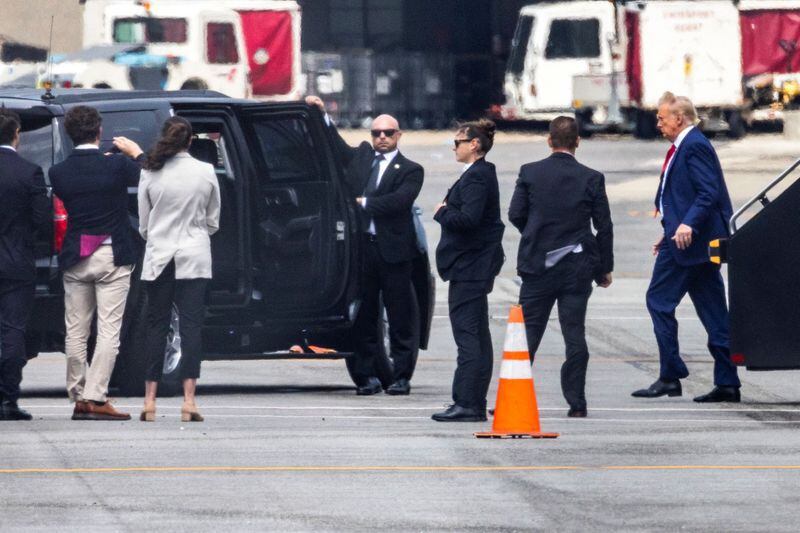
[(695, 208)]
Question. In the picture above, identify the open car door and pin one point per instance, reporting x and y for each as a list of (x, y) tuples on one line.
[(302, 240)]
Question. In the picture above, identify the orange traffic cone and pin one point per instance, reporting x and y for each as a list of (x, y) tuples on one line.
[(516, 414)]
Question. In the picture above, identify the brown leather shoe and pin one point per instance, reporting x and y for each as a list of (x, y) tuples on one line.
[(81, 411), (104, 412)]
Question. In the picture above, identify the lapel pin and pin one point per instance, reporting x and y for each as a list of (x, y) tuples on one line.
[(397, 165)]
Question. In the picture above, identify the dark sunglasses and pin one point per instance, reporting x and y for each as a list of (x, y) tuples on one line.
[(388, 133), (457, 142)]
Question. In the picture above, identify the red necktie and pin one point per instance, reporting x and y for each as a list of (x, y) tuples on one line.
[(666, 159)]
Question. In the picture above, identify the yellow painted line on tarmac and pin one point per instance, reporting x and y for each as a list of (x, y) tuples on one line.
[(415, 469)]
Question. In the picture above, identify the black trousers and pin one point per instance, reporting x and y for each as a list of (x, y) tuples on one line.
[(393, 282), (468, 303), (16, 302), (188, 295), (569, 283)]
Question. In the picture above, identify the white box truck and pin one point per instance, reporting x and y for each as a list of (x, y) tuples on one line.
[(609, 62)]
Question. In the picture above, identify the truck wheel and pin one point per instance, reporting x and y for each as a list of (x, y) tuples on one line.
[(583, 117), (736, 126), (194, 84), (645, 125)]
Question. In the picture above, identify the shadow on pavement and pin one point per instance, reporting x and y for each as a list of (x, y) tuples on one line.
[(208, 390)]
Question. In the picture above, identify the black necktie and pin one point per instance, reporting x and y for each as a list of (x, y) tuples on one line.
[(372, 183)]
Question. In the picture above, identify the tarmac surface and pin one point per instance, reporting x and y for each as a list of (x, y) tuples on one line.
[(288, 446)]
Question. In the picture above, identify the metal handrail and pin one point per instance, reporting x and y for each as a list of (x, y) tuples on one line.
[(761, 196)]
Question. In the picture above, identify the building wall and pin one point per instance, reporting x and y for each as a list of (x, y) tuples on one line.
[(28, 21), (477, 33)]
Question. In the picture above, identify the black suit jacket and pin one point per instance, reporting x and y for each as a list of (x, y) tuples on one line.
[(390, 205), (470, 248), (94, 189), (24, 209), (555, 203)]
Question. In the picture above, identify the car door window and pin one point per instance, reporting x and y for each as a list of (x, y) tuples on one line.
[(573, 39), (150, 30), (221, 43), (141, 126), (288, 150)]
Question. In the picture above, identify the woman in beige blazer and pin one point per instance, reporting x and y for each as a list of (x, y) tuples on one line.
[(178, 212)]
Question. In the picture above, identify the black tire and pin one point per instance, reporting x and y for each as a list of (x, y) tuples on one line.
[(583, 117), (383, 364), (645, 125), (736, 125)]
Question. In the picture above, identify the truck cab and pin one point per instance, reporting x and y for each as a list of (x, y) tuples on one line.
[(286, 259), (242, 48), (552, 44)]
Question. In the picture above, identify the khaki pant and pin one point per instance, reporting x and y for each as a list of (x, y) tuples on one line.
[(93, 284)]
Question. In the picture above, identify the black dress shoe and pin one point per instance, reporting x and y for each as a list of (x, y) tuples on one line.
[(11, 411), (401, 387), (660, 388), (456, 413), (576, 413), (373, 386), (721, 394)]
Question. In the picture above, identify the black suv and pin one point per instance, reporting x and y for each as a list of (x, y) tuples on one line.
[(286, 257)]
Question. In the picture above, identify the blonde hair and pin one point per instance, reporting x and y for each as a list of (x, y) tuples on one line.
[(680, 105)]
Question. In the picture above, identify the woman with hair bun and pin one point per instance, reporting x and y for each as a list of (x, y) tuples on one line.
[(178, 212), (469, 256)]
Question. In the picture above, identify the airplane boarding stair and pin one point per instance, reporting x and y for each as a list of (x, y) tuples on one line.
[(763, 256)]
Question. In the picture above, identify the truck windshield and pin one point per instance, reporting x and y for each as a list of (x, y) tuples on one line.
[(519, 45), (573, 39), (150, 30)]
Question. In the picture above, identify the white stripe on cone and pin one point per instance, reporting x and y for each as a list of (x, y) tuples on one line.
[(515, 369), (516, 340)]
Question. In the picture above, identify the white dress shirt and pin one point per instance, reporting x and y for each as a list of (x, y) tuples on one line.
[(8, 147), (678, 140), (388, 157)]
